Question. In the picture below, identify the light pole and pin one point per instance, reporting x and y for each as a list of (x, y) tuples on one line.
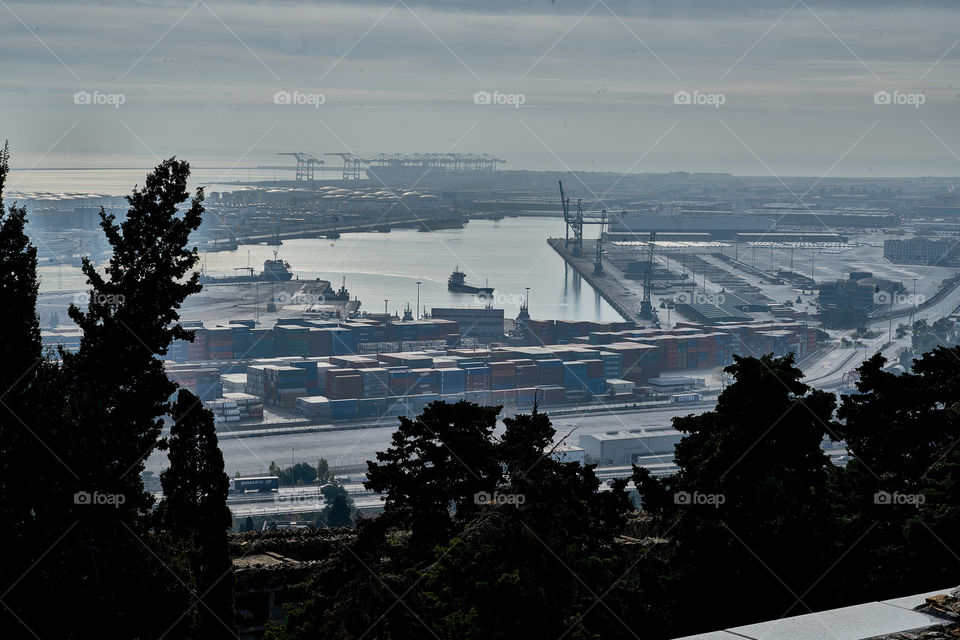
[(385, 308), (418, 299)]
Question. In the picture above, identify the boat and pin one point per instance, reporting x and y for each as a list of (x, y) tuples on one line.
[(442, 223), (341, 295), (457, 282), (332, 235), (275, 270)]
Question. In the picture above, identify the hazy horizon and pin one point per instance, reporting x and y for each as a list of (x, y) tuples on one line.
[(785, 89)]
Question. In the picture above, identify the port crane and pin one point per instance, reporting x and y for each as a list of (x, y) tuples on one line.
[(575, 222), (305, 164), (351, 164), (646, 307)]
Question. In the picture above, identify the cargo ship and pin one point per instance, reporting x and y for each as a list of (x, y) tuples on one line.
[(457, 282), (341, 295), (275, 270)]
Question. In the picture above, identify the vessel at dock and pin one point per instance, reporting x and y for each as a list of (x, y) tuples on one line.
[(275, 270), (457, 282)]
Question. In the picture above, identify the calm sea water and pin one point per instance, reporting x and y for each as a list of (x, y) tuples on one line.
[(509, 255)]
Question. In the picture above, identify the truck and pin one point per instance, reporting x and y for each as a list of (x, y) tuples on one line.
[(680, 398), (262, 484)]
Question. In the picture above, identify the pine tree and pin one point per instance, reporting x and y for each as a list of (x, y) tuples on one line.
[(194, 513)]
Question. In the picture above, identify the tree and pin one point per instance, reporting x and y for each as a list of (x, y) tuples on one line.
[(194, 513), (106, 413), (903, 433), (750, 515), (25, 458), (340, 512)]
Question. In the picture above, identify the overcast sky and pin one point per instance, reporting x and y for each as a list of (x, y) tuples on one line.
[(597, 82)]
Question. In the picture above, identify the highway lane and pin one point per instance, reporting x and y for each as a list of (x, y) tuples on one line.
[(252, 456)]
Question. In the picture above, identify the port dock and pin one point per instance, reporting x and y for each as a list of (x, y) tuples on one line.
[(612, 285)]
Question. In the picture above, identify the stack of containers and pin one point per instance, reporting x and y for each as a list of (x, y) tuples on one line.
[(249, 406), (344, 409), (241, 340), (452, 381), (400, 380), (550, 371), (261, 344), (341, 342), (503, 397), (197, 350), (553, 395), (318, 341), (354, 362), (314, 407), (344, 384), (476, 377), (528, 374), (224, 411), (310, 377), (526, 397), (503, 375), (256, 377), (426, 381), (233, 382), (376, 384), (292, 340), (575, 375), (284, 385), (371, 407), (612, 364), (596, 383), (322, 368)]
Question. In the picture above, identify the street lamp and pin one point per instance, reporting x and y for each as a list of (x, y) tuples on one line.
[(418, 299)]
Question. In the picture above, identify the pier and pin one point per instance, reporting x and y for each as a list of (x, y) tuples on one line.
[(612, 285)]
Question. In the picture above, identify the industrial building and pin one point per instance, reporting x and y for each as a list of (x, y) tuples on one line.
[(483, 323), (857, 292), (625, 447)]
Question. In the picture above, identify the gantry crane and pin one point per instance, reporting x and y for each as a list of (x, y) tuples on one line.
[(646, 307), (305, 164), (351, 164), (575, 222)]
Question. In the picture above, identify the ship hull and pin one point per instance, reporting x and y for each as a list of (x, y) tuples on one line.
[(466, 288)]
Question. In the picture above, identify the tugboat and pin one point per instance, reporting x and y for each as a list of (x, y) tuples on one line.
[(457, 282)]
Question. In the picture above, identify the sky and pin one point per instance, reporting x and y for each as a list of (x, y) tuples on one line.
[(747, 87)]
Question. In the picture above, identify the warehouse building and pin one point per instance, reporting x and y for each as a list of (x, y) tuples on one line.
[(920, 251), (626, 447)]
